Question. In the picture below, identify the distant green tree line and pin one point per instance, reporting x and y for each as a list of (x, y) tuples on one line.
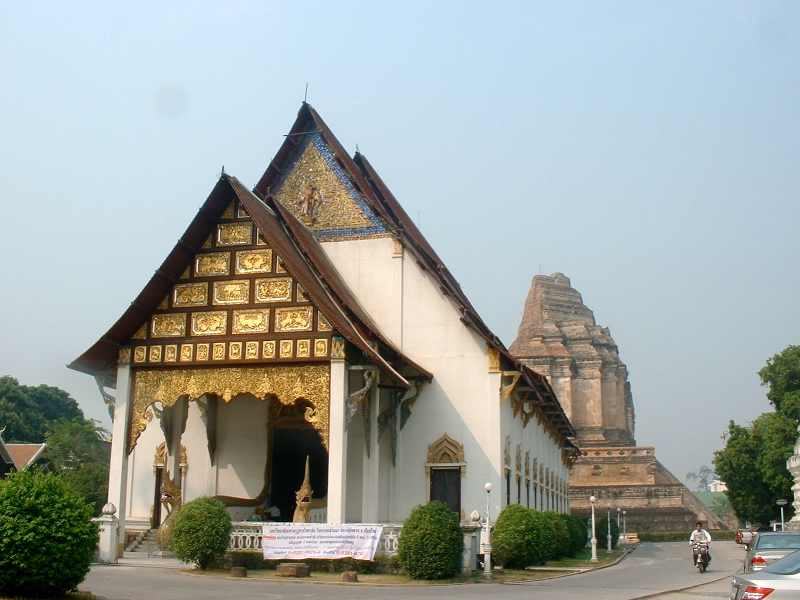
[(76, 447)]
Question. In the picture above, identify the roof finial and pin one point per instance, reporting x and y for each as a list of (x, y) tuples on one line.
[(223, 169), (357, 150), (305, 97)]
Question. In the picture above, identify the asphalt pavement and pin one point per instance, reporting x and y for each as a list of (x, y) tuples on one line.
[(662, 571)]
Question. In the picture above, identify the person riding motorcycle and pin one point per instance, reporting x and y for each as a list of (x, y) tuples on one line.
[(702, 536)]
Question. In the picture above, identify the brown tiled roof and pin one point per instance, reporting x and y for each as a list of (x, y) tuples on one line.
[(24, 454)]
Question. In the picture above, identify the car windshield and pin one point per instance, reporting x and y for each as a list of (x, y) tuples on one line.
[(778, 541), (788, 565)]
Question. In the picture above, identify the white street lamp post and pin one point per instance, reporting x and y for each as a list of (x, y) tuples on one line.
[(782, 502), (487, 546), (594, 536), (608, 522), (624, 523), (619, 510)]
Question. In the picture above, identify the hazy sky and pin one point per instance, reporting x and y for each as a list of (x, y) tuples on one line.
[(650, 151)]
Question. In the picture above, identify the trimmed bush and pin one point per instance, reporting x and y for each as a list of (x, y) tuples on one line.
[(521, 537), (561, 542), (601, 531), (431, 542), (47, 536), (578, 534), (202, 531)]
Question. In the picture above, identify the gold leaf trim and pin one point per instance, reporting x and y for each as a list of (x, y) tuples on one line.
[(286, 383)]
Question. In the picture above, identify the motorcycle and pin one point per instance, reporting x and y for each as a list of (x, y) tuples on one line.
[(700, 555)]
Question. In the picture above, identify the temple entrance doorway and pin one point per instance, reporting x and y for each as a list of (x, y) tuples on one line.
[(294, 439)]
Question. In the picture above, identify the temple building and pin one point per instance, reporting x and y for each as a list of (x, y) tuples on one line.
[(559, 338), (308, 321)]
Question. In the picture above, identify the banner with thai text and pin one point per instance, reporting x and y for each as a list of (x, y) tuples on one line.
[(312, 540)]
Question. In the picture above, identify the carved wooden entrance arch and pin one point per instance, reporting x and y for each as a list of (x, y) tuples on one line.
[(285, 383)]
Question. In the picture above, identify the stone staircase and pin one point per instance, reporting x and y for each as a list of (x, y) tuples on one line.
[(145, 543)]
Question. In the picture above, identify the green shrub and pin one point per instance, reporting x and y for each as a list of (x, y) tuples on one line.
[(682, 536), (431, 542), (47, 536), (601, 532), (521, 537), (578, 534), (202, 531), (561, 542)]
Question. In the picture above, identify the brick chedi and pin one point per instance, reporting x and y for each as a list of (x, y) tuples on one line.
[(559, 338)]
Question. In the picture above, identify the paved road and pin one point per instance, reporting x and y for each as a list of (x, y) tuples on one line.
[(662, 571)]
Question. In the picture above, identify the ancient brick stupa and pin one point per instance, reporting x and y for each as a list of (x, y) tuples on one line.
[(558, 337)]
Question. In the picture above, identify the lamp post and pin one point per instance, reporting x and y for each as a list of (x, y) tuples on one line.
[(624, 531), (608, 522), (487, 545), (594, 536), (619, 531), (782, 502)]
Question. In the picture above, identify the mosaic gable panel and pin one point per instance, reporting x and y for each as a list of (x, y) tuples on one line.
[(237, 292), (319, 192)]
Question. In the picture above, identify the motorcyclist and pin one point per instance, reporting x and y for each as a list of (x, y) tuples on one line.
[(702, 536)]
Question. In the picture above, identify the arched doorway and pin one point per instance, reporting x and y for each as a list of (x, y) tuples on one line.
[(294, 439)]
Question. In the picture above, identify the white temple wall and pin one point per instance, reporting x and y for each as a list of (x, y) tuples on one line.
[(463, 399), (196, 481), (241, 446), (141, 478)]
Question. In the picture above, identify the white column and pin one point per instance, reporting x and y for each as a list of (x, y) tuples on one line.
[(118, 469), (371, 488), (337, 443), (495, 445)]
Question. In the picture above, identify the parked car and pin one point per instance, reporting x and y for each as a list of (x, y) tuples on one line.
[(768, 547), (746, 535), (779, 581)]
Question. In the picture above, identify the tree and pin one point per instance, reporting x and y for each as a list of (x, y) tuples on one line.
[(26, 411), (753, 462), (79, 451), (704, 474)]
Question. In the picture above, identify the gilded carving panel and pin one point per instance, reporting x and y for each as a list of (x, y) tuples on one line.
[(287, 383), (251, 350), (254, 261), (210, 323), (275, 289), (169, 325), (287, 348), (303, 348), (218, 351), (268, 349), (232, 292), (235, 350), (190, 294), (187, 352), (320, 347), (322, 323), (251, 321), (203, 351), (171, 353), (212, 264), (155, 354), (140, 354), (235, 234), (296, 318), (141, 333)]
